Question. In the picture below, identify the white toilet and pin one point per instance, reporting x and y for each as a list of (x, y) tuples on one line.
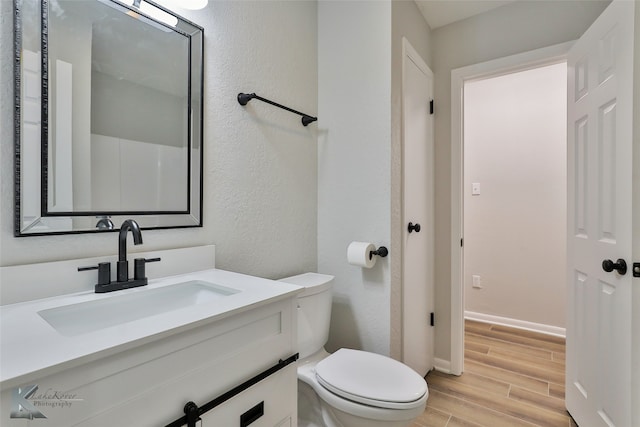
[(349, 388)]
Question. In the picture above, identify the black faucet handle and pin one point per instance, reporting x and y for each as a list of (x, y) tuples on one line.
[(104, 272), (138, 267)]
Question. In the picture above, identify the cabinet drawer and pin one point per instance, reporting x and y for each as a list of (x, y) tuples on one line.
[(286, 423), (275, 398)]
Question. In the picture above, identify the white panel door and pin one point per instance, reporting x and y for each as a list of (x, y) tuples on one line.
[(600, 77), (418, 192)]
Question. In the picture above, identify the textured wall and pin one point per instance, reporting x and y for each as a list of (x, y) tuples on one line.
[(260, 162), (262, 197), (514, 28), (354, 74), (359, 169)]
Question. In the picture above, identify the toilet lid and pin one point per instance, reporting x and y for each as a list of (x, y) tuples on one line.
[(371, 379)]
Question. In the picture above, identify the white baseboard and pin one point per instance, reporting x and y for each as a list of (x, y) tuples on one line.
[(514, 323), (442, 365)]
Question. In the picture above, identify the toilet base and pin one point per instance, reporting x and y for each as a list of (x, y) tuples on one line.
[(309, 407), (314, 412), (342, 419)]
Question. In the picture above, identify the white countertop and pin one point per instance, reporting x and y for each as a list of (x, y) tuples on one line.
[(30, 345)]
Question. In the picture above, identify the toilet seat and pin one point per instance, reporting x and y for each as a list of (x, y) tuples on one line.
[(371, 379)]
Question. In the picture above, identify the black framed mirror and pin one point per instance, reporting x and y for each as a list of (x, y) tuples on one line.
[(108, 116)]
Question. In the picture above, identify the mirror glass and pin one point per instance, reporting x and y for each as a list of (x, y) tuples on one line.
[(108, 116)]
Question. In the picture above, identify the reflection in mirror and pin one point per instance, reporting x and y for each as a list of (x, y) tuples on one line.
[(109, 106), (119, 128)]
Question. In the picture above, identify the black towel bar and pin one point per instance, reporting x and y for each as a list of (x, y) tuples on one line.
[(243, 98)]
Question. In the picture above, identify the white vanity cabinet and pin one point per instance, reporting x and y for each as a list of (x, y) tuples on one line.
[(269, 398), (148, 382)]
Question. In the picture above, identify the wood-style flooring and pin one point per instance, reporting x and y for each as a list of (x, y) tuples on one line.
[(512, 378)]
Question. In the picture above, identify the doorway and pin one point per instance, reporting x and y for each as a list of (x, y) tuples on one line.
[(501, 67), (515, 196), (600, 352)]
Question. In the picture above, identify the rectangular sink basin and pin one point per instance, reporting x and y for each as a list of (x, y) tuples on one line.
[(77, 319)]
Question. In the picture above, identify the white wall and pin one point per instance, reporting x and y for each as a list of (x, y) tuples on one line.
[(514, 28), (359, 171), (515, 229), (260, 179), (354, 97)]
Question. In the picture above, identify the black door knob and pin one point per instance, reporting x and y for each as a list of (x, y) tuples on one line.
[(413, 227), (620, 266)]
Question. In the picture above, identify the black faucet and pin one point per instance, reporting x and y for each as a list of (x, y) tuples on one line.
[(122, 277), (123, 264)]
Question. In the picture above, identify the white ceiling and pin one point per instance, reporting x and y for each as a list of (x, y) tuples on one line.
[(439, 13)]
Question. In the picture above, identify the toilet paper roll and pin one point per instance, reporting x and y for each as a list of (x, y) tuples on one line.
[(358, 254)]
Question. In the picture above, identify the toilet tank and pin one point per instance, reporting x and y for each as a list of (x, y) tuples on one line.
[(314, 311)]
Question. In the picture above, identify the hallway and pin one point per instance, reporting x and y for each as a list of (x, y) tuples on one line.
[(512, 378)]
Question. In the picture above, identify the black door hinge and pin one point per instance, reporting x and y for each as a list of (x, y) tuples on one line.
[(431, 107), (433, 319), (461, 243)]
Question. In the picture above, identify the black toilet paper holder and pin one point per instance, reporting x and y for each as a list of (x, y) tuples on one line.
[(381, 252)]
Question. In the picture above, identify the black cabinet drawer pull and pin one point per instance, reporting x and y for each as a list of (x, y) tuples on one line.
[(193, 412), (252, 414)]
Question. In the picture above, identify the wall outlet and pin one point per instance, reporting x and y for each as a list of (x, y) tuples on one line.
[(475, 189), (477, 282)]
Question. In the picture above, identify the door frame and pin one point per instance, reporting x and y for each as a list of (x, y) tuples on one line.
[(507, 65)]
